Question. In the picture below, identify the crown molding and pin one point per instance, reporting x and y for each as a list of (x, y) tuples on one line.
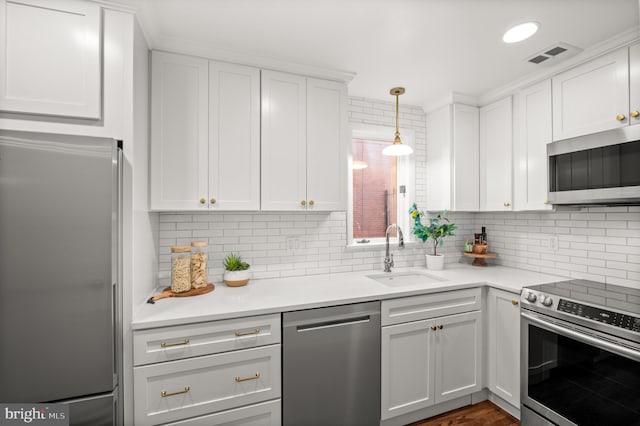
[(121, 6), (204, 50), (449, 99)]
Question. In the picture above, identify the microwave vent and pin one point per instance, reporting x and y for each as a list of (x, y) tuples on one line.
[(557, 52)]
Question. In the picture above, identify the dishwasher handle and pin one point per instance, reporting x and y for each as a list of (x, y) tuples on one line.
[(333, 323)]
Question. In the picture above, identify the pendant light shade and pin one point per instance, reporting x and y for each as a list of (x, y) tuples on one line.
[(397, 148)]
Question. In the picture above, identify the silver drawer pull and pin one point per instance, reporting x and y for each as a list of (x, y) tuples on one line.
[(256, 377), (166, 345), (166, 394), (247, 333)]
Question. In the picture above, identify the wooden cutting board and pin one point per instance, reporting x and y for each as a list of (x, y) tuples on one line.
[(193, 292)]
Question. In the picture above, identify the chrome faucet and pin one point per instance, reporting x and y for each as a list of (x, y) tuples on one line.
[(388, 259)]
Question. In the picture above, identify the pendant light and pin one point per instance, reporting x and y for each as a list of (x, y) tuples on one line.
[(398, 148)]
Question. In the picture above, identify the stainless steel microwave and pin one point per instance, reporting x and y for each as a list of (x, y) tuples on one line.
[(601, 168)]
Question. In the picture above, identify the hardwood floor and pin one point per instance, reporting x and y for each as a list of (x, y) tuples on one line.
[(483, 413)]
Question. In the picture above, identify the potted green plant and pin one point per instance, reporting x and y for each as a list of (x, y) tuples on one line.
[(236, 271), (437, 230)]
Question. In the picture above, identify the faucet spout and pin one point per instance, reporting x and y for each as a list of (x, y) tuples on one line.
[(388, 258)]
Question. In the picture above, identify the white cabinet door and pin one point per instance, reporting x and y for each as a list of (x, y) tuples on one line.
[(327, 141), (407, 368), (432, 360), (496, 138), (634, 84), (234, 137), (179, 132), (466, 158), (504, 346), (458, 355), (530, 147), (589, 98), (50, 57), (453, 158), (284, 133)]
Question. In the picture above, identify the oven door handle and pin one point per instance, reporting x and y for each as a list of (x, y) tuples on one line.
[(584, 338)]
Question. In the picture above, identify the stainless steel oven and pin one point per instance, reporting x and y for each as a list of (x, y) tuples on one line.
[(580, 354)]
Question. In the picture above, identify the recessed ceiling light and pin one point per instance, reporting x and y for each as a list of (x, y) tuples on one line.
[(520, 32)]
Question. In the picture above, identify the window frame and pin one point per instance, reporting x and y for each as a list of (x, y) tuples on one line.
[(405, 176)]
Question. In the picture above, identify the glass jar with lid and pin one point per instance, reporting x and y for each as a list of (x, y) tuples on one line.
[(180, 269), (198, 264)]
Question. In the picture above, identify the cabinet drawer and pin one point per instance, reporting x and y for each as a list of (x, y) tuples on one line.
[(176, 390), (185, 341), (263, 414), (406, 309)]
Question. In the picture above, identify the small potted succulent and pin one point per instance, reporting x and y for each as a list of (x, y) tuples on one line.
[(236, 272), (438, 229)]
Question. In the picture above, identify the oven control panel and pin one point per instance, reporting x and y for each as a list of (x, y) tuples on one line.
[(615, 319), (540, 299)]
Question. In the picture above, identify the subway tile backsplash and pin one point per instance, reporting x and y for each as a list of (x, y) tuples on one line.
[(595, 243)]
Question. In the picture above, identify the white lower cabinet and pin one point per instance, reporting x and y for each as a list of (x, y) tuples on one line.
[(263, 414), (220, 386), (504, 345), (432, 360)]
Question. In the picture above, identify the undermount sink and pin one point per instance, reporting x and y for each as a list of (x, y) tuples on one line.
[(399, 279)]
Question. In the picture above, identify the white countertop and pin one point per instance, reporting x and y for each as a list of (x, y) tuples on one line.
[(313, 291)]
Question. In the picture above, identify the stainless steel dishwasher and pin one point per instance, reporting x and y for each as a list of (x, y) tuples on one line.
[(331, 366)]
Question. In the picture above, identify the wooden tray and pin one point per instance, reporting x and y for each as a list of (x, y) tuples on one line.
[(193, 292), (479, 259)]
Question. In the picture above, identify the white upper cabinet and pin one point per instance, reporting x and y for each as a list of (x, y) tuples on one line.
[(50, 57), (533, 133), (496, 139), (234, 137), (327, 141), (592, 97), (205, 136), (179, 132), (634, 84), (303, 143), (284, 148), (453, 158)]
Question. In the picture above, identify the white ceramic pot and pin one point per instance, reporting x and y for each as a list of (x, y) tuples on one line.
[(435, 262), (236, 278)]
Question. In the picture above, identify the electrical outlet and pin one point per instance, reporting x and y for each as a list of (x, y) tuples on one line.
[(293, 243), (553, 243)]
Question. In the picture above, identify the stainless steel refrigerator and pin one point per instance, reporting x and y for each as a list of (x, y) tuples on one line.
[(59, 273)]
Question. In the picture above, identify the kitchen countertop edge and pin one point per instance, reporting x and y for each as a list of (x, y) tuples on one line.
[(276, 295)]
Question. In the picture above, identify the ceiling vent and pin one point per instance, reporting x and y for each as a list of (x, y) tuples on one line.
[(555, 53)]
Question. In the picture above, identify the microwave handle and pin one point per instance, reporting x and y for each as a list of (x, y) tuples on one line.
[(584, 338)]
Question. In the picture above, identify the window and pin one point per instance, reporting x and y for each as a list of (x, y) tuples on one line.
[(381, 188)]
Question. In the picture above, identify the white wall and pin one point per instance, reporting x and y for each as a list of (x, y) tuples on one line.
[(142, 252)]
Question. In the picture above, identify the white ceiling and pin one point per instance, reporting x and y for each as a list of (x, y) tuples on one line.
[(431, 47)]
